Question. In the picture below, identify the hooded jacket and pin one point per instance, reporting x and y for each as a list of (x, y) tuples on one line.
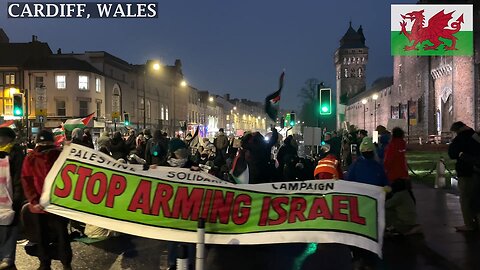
[(35, 168), (395, 161)]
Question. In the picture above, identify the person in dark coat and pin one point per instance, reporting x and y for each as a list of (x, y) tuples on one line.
[(11, 159), (465, 143), (87, 138), (118, 148), (157, 149), (286, 156), (131, 141)]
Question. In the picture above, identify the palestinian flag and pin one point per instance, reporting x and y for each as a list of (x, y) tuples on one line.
[(9, 123), (432, 30), (71, 124), (272, 101), (239, 171), (58, 135)]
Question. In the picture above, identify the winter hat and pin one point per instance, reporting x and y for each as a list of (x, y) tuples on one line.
[(367, 145), (457, 126), (7, 132), (45, 136), (176, 144)]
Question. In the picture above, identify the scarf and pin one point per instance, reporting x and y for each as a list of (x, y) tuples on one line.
[(177, 162), (7, 148)]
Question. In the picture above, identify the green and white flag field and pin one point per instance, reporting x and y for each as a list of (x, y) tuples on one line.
[(432, 30), (166, 203)]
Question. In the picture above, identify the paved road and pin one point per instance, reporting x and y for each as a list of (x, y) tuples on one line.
[(439, 248)]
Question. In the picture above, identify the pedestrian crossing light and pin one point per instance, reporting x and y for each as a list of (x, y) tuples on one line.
[(126, 119), (325, 96), (18, 104)]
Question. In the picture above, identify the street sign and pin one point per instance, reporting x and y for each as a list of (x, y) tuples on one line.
[(41, 101), (40, 119)]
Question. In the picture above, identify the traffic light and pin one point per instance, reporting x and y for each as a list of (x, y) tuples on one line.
[(325, 97), (292, 119), (126, 119), (18, 104)]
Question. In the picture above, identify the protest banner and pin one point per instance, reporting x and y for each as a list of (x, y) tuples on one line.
[(166, 203)]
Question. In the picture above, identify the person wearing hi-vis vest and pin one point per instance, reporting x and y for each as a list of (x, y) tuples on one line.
[(328, 167)]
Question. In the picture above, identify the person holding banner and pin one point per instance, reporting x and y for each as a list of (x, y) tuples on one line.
[(11, 196), (35, 168)]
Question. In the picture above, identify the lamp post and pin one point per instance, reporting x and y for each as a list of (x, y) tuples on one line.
[(364, 101), (183, 84), (375, 97)]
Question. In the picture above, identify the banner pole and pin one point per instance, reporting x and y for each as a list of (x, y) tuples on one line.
[(200, 252)]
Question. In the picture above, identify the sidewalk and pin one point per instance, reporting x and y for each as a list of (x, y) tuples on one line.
[(441, 247)]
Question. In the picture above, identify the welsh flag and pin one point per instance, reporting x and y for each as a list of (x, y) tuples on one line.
[(432, 30), (272, 101), (59, 135), (71, 124)]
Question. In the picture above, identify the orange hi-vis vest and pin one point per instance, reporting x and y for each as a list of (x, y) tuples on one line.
[(329, 164)]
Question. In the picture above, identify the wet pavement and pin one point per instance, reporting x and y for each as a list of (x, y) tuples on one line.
[(440, 247)]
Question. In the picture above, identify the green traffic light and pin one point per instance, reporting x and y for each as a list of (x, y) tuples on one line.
[(18, 112), (292, 123), (324, 109)]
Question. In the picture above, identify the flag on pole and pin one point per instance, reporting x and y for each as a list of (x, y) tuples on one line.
[(432, 30), (71, 124), (59, 135), (272, 101)]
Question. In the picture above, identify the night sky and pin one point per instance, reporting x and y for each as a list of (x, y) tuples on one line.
[(236, 47)]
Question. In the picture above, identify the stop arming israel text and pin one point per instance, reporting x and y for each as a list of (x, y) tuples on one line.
[(86, 10)]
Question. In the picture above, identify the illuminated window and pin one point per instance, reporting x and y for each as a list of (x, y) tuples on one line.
[(166, 113), (345, 73), (9, 79), (98, 85), (61, 81), (162, 113), (83, 82)]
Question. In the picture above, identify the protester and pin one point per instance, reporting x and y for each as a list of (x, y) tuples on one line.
[(221, 143), (329, 166), (104, 142), (400, 213), (286, 156), (383, 141), (395, 161), (335, 143), (157, 149), (366, 169), (11, 196), (77, 136), (118, 147), (467, 186), (87, 138), (131, 141), (36, 166)]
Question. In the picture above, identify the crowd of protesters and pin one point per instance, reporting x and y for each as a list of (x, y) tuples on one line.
[(268, 159)]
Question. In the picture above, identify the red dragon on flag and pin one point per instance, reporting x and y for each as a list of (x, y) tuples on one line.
[(437, 28)]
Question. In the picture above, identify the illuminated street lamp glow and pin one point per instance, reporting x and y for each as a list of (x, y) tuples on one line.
[(210, 99), (375, 96), (156, 66), (235, 108), (183, 83), (13, 91), (364, 101)]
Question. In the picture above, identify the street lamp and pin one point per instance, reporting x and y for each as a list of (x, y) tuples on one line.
[(364, 101), (375, 97), (210, 99), (183, 83)]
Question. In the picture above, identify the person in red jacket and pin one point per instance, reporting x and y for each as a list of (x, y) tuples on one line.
[(35, 168), (395, 161)]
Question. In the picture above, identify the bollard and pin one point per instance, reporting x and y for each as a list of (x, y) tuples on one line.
[(440, 176), (182, 258), (200, 252)]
